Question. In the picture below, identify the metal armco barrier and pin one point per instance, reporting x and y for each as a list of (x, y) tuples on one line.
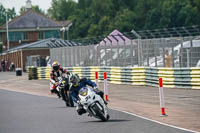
[(172, 77)]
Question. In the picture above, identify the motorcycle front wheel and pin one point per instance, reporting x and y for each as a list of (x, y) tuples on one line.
[(99, 113)]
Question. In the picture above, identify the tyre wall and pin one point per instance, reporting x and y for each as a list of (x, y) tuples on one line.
[(146, 76)]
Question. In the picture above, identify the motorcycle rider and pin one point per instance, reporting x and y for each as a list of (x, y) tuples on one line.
[(56, 72), (76, 85)]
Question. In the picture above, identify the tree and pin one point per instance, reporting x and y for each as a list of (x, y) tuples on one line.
[(100, 17), (124, 20), (61, 9), (2, 15), (176, 13), (10, 12)]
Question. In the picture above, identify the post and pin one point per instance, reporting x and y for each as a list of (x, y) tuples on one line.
[(148, 53), (190, 54), (67, 28), (105, 59), (62, 30), (67, 34), (96, 79), (172, 57), (139, 43), (125, 61), (164, 52), (161, 93), (132, 48), (22, 63), (155, 54), (139, 54), (181, 54), (118, 64), (188, 57), (105, 86), (63, 35), (8, 45)]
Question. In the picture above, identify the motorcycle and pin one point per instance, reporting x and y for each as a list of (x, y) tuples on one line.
[(93, 103), (63, 88)]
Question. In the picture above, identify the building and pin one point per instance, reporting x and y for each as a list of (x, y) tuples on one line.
[(26, 29), (19, 55), (30, 27)]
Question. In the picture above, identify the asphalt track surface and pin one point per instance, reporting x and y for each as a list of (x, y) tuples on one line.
[(25, 113)]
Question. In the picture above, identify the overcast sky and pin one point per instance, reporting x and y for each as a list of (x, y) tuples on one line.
[(17, 4)]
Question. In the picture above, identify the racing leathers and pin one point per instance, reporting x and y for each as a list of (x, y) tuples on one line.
[(75, 91), (54, 80)]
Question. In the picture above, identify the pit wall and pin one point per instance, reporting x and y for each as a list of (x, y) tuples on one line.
[(145, 76)]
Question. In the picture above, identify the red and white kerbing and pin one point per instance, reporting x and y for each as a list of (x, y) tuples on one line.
[(105, 86), (162, 104)]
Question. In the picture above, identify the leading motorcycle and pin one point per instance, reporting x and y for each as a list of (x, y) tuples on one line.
[(93, 103)]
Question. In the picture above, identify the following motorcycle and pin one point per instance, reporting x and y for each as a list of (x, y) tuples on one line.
[(93, 103), (63, 88)]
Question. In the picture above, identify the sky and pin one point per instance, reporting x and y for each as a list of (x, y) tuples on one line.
[(17, 4)]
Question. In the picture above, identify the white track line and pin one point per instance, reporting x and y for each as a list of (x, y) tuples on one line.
[(155, 121)]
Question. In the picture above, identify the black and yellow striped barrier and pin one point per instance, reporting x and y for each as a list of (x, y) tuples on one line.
[(195, 78), (126, 75), (151, 78), (43, 72), (172, 77), (138, 76), (32, 73), (115, 75)]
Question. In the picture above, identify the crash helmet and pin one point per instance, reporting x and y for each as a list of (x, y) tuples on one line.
[(56, 66), (74, 79)]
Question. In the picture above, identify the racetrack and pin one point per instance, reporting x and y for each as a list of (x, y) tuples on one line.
[(182, 105), (25, 113)]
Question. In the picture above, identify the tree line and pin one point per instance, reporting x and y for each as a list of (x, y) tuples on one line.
[(100, 17)]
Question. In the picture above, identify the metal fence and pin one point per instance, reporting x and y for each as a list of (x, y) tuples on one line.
[(171, 52), (119, 50), (108, 54)]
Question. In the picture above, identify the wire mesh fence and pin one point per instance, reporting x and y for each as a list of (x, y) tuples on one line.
[(171, 52), (119, 50)]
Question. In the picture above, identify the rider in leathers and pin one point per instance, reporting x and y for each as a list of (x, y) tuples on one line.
[(77, 84), (56, 72)]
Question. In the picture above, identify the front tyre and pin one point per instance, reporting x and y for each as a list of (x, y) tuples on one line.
[(99, 113)]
